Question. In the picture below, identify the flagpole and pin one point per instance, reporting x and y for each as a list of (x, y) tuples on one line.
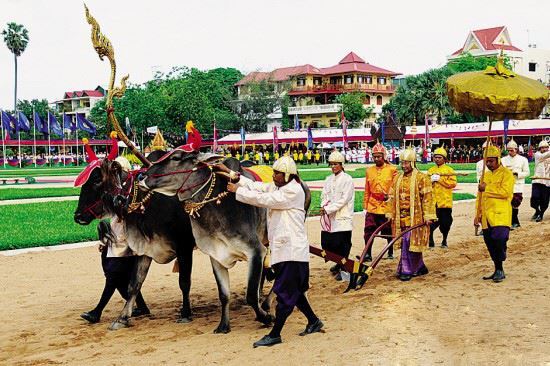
[(49, 142), (63, 124), (3, 139), (34, 135), (18, 138), (76, 139)]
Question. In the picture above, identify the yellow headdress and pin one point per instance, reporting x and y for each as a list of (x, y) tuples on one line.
[(408, 155), (441, 151)]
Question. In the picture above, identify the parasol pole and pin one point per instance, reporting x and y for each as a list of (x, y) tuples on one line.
[(479, 194)]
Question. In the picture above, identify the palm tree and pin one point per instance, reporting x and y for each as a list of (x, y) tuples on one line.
[(16, 37)]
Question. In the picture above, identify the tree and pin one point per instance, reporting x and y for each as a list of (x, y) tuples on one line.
[(263, 98), (170, 100), (353, 107), (16, 38), (426, 93)]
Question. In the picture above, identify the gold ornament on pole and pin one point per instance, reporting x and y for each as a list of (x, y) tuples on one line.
[(103, 47)]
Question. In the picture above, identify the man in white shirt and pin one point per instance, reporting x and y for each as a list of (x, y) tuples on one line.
[(540, 194), (284, 199), (337, 202), (520, 168)]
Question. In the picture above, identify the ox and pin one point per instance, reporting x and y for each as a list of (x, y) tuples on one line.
[(161, 233), (225, 229)]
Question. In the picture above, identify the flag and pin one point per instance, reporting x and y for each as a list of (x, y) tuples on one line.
[(39, 124), (8, 122), (243, 136), (275, 138), (24, 124), (309, 138), (152, 129), (426, 131), (529, 149), (127, 126), (5, 118), (344, 129), (506, 125), (383, 131), (296, 123), (83, 124), (215, 142), (68, 123), (55, 128)]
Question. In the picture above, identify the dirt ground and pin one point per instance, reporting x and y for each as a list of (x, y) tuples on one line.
[(449, 316)]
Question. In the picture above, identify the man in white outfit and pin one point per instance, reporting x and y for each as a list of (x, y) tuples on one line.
[(520, 168), (284, 199), (337, 202), (540, 194)]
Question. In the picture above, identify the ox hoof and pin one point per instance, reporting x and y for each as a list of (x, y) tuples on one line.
[(184, 319), (266, 319), (223, 329), (119, 324)]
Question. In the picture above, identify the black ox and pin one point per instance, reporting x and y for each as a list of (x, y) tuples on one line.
[(161, 233), (225, 229)]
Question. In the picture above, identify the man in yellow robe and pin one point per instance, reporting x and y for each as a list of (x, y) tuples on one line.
[(494, 201), (443, 181), (410, 204), (378, 182)]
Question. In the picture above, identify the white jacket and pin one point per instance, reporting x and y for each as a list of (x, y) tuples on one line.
[(338, 200), (520, 166), (285, 217), (542, 167)]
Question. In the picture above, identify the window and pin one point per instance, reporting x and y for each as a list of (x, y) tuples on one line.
[(360, 79), (367, 99), (317, 81), (368, 79), (348, 79), (301, 81), (532, 66), (379, 100), (382, 80)]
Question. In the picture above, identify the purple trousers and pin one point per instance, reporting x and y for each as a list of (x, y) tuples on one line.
[(410, 262)]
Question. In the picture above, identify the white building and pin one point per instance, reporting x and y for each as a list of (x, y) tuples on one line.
[(533, 62)]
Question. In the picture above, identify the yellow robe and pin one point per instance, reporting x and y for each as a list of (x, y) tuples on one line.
[(411, 203), (378, 183), (443, 189), (496, 206)]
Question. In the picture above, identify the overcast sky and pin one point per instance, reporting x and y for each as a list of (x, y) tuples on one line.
[(400, 35)]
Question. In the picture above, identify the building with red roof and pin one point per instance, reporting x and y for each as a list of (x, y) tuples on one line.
[(80, 101), (313, 90)]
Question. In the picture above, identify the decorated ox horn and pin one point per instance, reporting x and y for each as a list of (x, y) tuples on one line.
[(103, 47), (91, 154), (114, 148)]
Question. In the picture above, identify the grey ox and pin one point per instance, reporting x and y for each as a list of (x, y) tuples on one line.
[(225, 229)]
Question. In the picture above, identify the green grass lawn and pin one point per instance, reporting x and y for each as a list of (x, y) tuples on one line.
[(22, 193), (39, 172), (42, 224), (359, 195)]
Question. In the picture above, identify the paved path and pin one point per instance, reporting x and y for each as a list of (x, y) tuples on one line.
[(35, 200)]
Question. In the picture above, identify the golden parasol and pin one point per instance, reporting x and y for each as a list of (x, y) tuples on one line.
[(497, 93)]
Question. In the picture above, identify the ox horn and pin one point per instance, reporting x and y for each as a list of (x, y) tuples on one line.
[(91, 154), (114, 147), (103, 47)]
